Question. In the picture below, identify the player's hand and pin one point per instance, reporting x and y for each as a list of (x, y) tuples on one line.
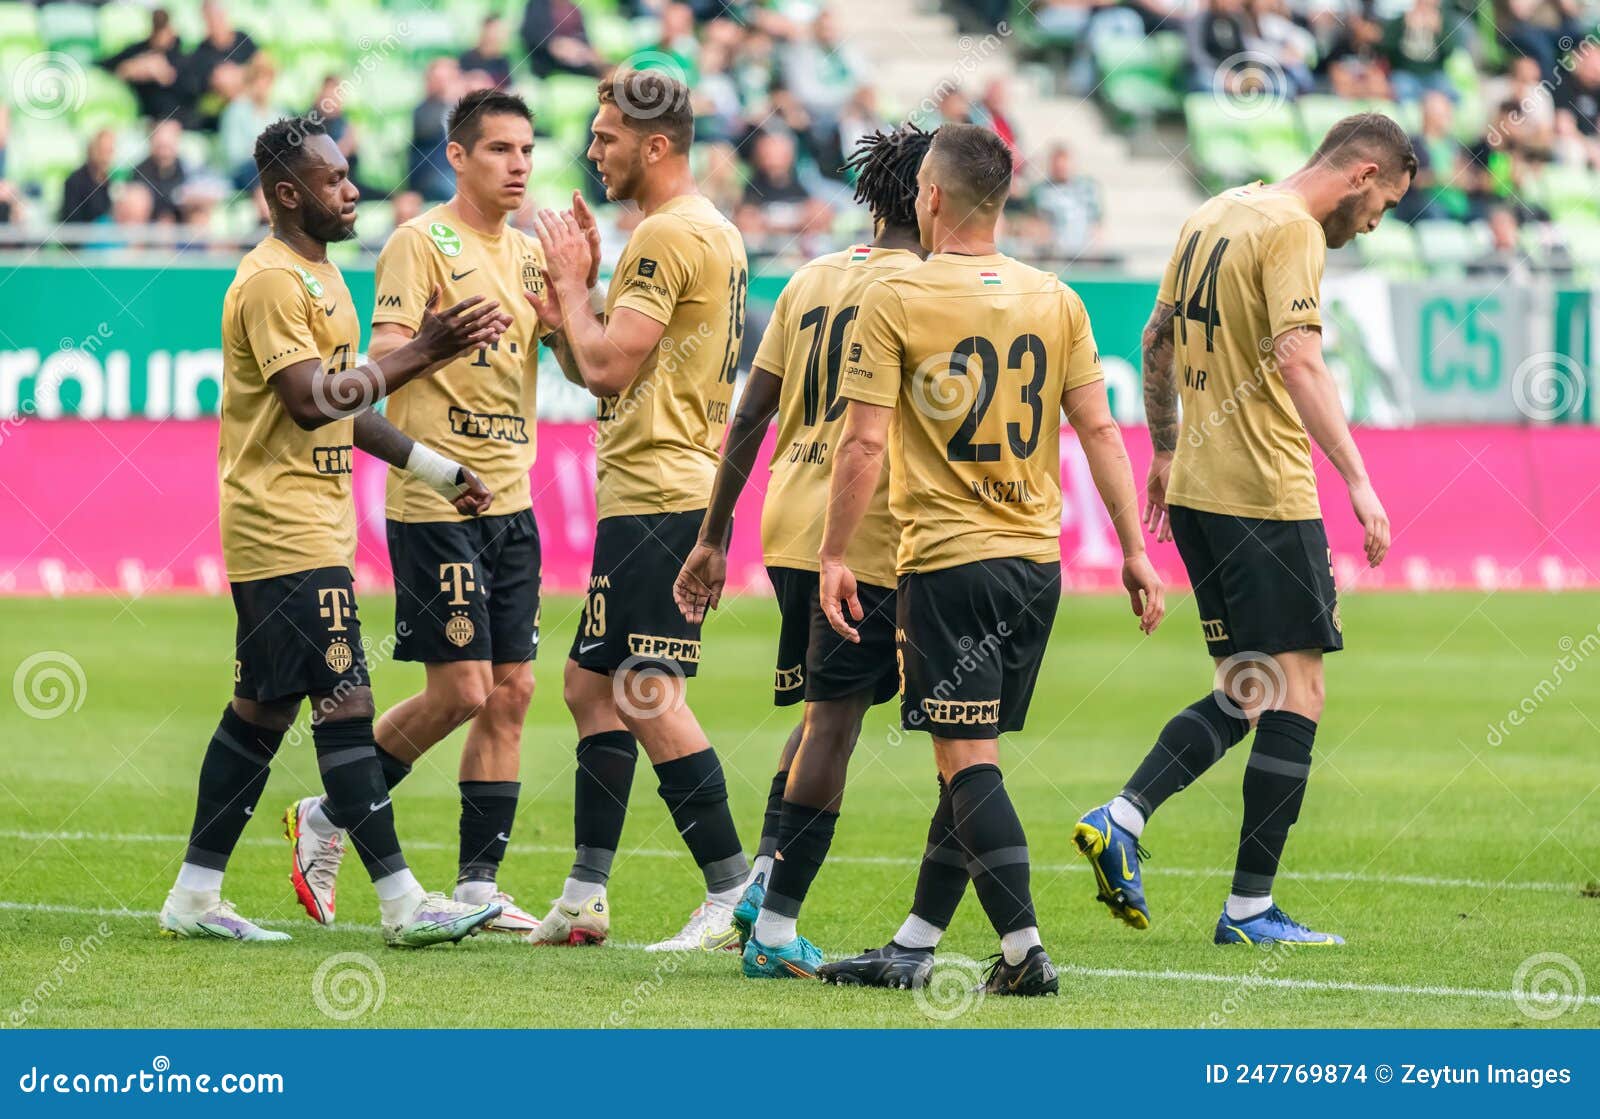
[(699, 584), (474, 499), (838, 591), (1369, 511), (547, 303), (591, 233), (469, 325), (1145, 593), (566, 250), (1156, 519)]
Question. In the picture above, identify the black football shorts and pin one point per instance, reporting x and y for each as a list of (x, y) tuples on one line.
[(630, 618), (298, 635), (816, 664)]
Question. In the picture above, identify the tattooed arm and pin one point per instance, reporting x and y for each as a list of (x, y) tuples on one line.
[(1161, 414)]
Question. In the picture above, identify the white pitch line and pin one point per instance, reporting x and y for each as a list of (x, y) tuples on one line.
[(1156, 869), (1167, 976)]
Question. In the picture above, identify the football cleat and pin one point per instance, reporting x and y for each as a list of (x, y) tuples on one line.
[(589, 923), (438, 920), (513, 918), (889, 966), (1034, 976), (1267, 929), (710, 929), (799, 959), (314, 863), (749, 908), (1114, 854), (216, 921)]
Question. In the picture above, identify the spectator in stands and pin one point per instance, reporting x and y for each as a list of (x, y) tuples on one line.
[(952, 107), (755, 68), (1224, 30), (1417, 44), (995, 112), (132, 208), (13, 206), (1537, 28), (722, 179), (1526, 86), (405, 205), (5, 134), (1569, 147), (1158, 15), (860, 117), (1443, 167), (1578, 95), (87, 193), (717, 112), (821, 69), (1506, 258), (1350, 60), (153, 70), (775, 201), (162, 172), (214, 70), (245, 117), (1068, 203), (329, 110), (555, 40), (675, 48), (1502, 165), (431, 175), (1286, 42), (488, 55)]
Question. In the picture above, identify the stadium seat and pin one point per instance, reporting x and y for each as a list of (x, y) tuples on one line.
[(1318, 113), (71, 29), (107, 103), (1392, 250), (19, 23), (122, 23), (1568, 193), (1450, 245)]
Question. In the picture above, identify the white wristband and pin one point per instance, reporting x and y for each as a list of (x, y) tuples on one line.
[(437, 471), (597, 301)]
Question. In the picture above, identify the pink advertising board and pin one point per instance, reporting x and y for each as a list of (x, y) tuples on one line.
[(129, 507)]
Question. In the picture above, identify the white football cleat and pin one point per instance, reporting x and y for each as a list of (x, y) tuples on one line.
[(710, 929), (436, 919), (214, 920), (513, 918), (589, 923), (314, 862)]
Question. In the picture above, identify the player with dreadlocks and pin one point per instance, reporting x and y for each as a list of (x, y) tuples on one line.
[(796, 376)]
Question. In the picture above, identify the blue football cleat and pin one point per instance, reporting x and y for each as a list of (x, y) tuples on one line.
[(1267, 929), (1114, 854), (749, 907), (799, 959)]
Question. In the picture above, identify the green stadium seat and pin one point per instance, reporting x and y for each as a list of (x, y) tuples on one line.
[(1391, 249), (557, 172), (19, 23), (120, 24), (38, 150), (429, 35), (107, 103), (72, 29), (1568, 193), (1318, 113), (1449, 244)]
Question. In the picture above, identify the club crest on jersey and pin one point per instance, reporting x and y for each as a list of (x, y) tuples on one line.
[(446, 239), (858, 253), (339, 656), (313, 285), (531, 280), (990, 279), (647, 267)]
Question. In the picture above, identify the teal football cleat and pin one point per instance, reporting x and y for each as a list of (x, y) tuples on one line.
[(1114, 854), (749, 908), (799, 959), (1269, 928)]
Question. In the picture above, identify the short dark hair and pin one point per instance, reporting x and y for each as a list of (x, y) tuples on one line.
[(1368, 136), (281, 147), (464, 125), (973, 164), (885, 165), (652, 102)]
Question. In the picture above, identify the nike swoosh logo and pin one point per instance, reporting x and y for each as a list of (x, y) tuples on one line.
[(503, 837), (462, 275), (384, 803), (1127, 871), (690, 828), (584, 648), (330, 309), (250, 811)]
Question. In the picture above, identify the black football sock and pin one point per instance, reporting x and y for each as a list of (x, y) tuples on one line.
[(697, 797), (488, 809), (942, 878), (600, 804), (771, 820), (394, 770), (1274, 787), (996, 849), (232, 777), (1191, 743), (804, 836), (358, 799)]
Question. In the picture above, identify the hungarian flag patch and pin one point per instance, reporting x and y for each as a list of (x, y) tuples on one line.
[(858, 253), (990, 279)]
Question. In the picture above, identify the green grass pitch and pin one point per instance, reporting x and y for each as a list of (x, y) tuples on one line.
[(1459, 863)]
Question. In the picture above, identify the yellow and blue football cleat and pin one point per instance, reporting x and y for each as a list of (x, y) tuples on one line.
[(799, 959), (1114, 854), (1269, 928)]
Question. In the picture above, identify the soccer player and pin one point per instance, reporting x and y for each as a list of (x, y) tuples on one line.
[(466, 585), (1233, 485), (294, 401), (662, 362), (972, 356), (796, 376)]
